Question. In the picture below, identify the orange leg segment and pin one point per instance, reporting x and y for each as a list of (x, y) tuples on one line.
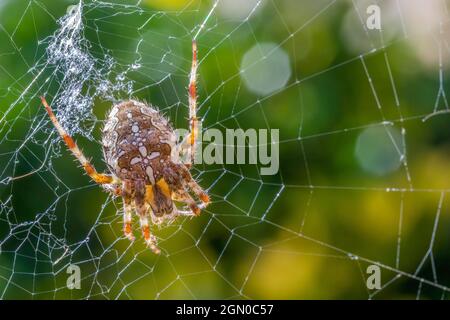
[(71, 144)]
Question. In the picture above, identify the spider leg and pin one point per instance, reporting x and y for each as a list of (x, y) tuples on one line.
[(179, 189), (202, 195), (193, 120), (115, 189), (183, 196), (142, 210), (127, 194), (193, 185), (71, 144)]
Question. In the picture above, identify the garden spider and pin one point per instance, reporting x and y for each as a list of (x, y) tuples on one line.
[(141, 151)]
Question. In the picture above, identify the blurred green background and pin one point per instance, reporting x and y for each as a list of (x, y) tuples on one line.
[(364, 151)]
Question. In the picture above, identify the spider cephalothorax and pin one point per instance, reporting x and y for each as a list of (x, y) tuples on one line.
[(140, 149)]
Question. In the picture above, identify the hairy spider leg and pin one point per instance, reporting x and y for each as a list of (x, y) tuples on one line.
[(99, 178), (183, 196), (193, 120), (142, 211), (115, 189), (193, 185), (180, 192), (127, 195)]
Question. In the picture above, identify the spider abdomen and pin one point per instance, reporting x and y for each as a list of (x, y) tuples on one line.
[(137, 142)]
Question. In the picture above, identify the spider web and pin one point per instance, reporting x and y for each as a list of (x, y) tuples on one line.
[(309, 231)]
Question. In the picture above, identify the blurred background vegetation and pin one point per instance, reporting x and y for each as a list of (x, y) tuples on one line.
[(362, 176)]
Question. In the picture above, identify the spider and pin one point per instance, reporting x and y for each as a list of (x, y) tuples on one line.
[(141, 151)]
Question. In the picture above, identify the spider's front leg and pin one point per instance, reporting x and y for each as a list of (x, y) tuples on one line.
[(99, 178), (193, 120)]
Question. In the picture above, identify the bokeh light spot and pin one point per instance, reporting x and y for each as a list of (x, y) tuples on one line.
[(378, 150), (238, 9), (265, 68)]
